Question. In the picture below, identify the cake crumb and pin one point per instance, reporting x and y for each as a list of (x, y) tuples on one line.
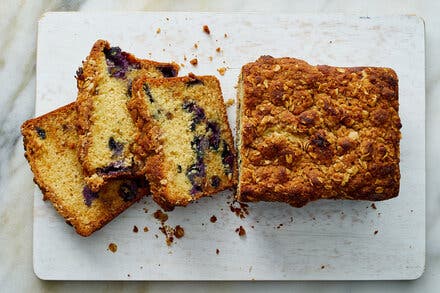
[(145, 229), (322, 267), (155, 235), (196, 45), (135, 229), (182, 65), (192, 75), (375, 232), (240, 211), (179, 232), (229, 103), (158, 31), (168, 232), (163, 217), (184, 57), (373, 206), (206, 29), (194, 62), (213, 219), (226, 35), (128, 275), (221, 70), (210, 58), (145, 210), (241, 231), (217, 251), (112, 247), (218, 49)]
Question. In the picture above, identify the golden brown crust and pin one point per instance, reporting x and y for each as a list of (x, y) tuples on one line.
[(310, 132), (63, 187), (149, 147), (88, 81)]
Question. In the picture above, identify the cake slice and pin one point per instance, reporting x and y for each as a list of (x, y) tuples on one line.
[(106, 131), (184, 138), (50, 143), (309, 132)]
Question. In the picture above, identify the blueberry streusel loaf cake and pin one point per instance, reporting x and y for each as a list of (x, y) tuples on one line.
[(309, 132), (50, 143), (184, 137), (105, 127)]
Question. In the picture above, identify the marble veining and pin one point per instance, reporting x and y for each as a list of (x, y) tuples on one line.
[(18, 32)]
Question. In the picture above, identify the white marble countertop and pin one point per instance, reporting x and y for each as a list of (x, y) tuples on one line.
[(18, 32)]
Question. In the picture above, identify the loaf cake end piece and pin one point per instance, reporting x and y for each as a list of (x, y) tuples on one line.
[(310, 132)]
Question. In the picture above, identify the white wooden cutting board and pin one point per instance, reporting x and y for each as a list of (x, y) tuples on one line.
[(326, 240)]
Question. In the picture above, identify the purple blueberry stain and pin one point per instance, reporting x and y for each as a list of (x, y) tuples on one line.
[(128, 190), (196, 173), (213, 130), (118, 63), (198, 113), (147, 92), (199, 145), (227, 158), (114, 168), (89, 195), (129, 83), (167, 71), (116, 147), (215, 181), (40, 132)]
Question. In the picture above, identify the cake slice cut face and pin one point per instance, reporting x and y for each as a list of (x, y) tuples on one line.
[(184, 138), (310, 132), (106, 131), (50, 143)]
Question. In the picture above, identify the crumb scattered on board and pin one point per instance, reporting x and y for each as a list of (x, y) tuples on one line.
[(226, 35), (217, 251), (213, 219), (373, 206), (240, 231), (145, 229), (112, 247), (179, 232), (163, 217), (229, 103), (375, 232), (196, 45), (221, 70), (135, 229), (239, 209), (158, 31), (167, 230), (206, 29), (322, 267), (194, 62)]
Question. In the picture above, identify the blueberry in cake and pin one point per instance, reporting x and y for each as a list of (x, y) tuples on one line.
[(309, 132), (50, 143), (106, 131), (183, 137)]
